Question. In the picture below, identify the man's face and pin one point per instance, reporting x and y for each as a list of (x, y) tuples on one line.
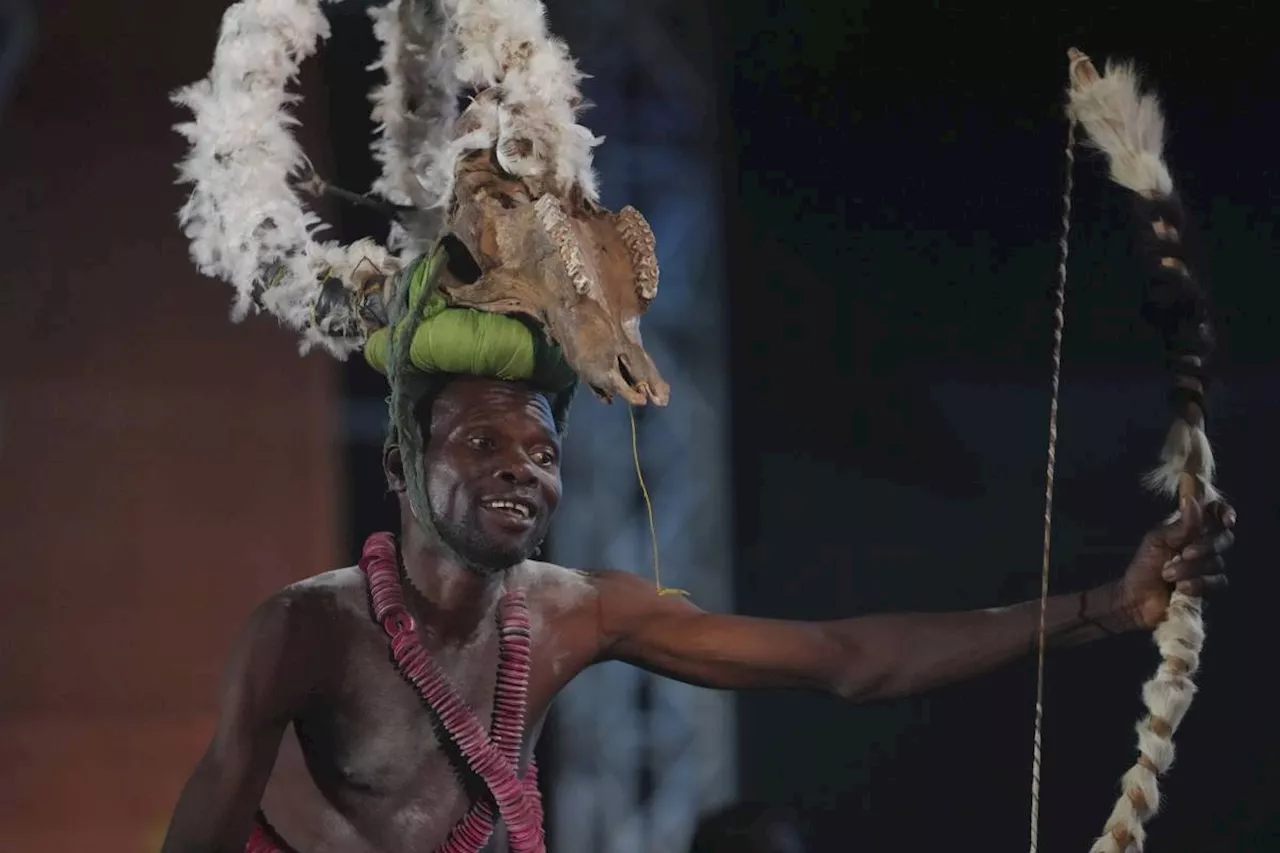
[(492, 470)]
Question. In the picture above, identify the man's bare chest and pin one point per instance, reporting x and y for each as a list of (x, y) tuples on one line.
[(389, 767), (375, 734), (373, 731)]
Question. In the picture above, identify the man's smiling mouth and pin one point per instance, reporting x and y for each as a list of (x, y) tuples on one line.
[(516, 508)]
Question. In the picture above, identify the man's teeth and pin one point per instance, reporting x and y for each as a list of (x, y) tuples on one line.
[(521, 509)]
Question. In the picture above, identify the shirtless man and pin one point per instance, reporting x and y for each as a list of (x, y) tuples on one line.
[(313, 654)]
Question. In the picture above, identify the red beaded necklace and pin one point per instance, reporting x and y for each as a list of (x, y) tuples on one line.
[(494, 758)]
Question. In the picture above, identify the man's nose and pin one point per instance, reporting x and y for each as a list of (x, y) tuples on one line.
[(517, 472)]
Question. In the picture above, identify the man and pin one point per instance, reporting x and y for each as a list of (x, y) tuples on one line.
[(384, 777), (417, 683)]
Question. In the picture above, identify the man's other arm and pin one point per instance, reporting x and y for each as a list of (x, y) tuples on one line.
[(265, 685)]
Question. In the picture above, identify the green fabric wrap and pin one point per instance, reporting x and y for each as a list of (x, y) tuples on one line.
[(468, 341)]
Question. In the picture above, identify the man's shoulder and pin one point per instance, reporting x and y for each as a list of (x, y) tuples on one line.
[(552, 588), (306, 626), (566, 588), (532, 574), (536, 576), (316, 600), (341, 586)]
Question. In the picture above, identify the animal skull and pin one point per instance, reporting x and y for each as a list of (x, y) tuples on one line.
[(584, 273)]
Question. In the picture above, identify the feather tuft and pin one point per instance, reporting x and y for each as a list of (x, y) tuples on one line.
[(1128, 126), (243, 217), (528, 101), (413, 110)]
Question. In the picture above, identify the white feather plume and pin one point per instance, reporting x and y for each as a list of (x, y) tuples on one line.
[(244, 219), (1128, 126), (529, 111), (414, 110)]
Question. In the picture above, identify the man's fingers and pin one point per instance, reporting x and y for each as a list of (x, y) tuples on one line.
[(1190, 519), (1222, 513), (1223, 541), (1195, 520), (1202, 585), (1208, 545), (1181, 570)]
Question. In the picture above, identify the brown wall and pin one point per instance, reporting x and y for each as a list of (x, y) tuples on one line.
[(161, 470)]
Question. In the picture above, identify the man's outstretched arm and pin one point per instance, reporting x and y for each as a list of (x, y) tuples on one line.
[(861, 659), (888, 656), (263, 691)]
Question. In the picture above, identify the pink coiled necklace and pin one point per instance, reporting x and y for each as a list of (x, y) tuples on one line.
[(493, 757)]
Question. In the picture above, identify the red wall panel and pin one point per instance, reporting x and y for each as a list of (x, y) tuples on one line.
[(161, 470)]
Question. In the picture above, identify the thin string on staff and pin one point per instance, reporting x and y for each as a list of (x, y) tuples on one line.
[(1059, 319), (648, 504)]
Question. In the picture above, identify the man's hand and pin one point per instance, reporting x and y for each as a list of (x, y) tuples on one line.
[(1186, 556)]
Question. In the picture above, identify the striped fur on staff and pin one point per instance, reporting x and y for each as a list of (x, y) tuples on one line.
[(1128, 127)]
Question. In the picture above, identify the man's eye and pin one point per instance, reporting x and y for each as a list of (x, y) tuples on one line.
[(544, 457), (480, 442)]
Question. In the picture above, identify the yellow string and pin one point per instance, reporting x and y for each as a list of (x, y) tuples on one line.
[(653, 527)]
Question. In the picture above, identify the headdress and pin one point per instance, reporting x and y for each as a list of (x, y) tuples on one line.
[(501, 261)]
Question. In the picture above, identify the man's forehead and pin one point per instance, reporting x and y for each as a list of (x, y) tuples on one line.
[(472, 399)]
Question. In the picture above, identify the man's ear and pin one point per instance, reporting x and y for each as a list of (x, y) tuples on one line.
[(393, 468)]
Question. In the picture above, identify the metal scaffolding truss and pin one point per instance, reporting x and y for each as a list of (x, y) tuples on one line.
[(17, 41), (638, 758)]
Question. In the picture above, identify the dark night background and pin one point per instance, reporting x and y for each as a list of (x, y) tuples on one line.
[(893, 192)]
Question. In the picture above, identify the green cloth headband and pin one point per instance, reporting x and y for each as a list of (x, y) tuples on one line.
[(465, 340)]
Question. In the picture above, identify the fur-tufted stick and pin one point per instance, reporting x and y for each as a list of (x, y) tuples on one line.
[(1128, 127)]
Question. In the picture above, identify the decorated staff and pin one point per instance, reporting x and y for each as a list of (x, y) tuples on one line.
[(1127, 126)]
